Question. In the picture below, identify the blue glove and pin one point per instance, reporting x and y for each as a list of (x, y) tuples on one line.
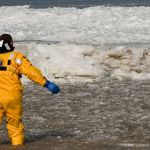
[(52, 87)]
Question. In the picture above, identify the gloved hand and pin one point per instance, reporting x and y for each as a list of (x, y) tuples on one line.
[(52, 87)]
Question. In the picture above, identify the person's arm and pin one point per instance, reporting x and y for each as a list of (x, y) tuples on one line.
[(34, 74)]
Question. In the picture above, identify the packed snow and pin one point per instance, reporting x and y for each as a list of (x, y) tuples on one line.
[(66, 62), (71, 45)]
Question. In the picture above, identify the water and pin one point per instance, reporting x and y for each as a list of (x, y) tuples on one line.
[(107, 115), (74, 3)]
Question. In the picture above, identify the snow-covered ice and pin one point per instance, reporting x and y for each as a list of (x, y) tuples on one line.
[(64, 62), (92, 25), (71, 44)]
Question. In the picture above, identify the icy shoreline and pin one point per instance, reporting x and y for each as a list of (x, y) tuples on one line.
[(67, 62)]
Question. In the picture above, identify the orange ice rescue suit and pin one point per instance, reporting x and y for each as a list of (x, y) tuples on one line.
[(12, 66)]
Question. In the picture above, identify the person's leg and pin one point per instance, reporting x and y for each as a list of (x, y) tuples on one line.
[(13, 112), (15, 131)]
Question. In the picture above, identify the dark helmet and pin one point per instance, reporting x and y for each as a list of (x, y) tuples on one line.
[(6, 43)]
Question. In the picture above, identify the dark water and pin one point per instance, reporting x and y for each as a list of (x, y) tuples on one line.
[(74, 3), (86, 117)]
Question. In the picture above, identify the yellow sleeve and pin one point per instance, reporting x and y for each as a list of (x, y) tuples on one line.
[(31, 72)]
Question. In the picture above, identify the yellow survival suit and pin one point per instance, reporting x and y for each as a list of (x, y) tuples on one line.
[(12, 66)]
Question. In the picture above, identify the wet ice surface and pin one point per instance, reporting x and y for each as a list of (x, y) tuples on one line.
[(111, 114)]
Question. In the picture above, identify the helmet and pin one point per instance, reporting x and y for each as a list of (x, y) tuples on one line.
[(6, 43)]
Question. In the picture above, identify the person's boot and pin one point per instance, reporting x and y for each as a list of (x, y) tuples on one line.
[(17, 140)]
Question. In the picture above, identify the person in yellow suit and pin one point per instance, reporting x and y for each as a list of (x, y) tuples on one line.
[(12, 65)]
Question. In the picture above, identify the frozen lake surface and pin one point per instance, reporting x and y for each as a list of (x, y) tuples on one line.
[(109, 114)]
